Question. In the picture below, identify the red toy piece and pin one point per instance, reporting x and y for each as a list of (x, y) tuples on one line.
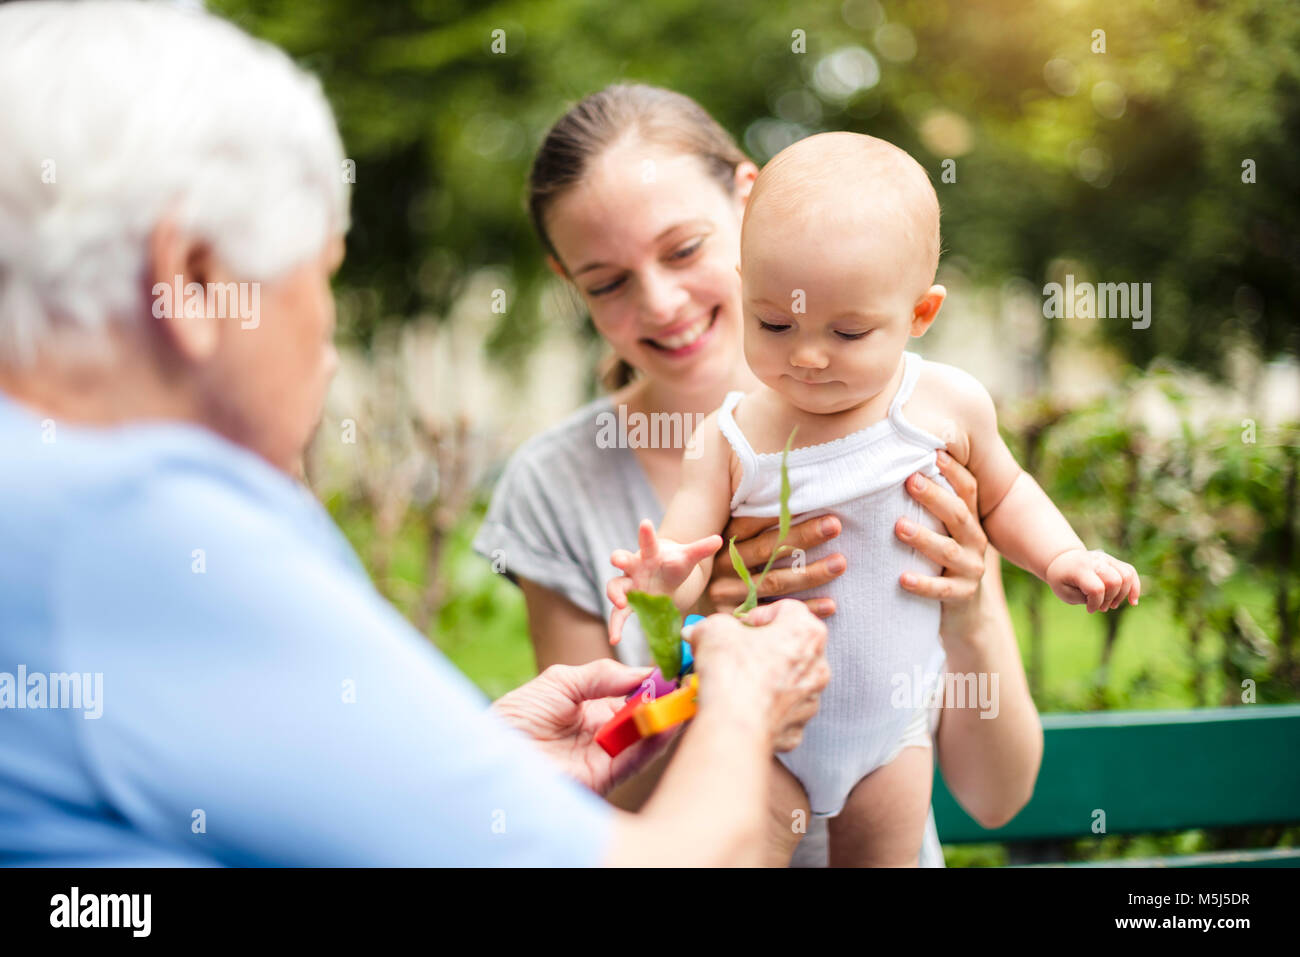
[(620, 732)]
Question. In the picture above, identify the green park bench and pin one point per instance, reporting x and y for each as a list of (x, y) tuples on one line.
[(1153, 771)]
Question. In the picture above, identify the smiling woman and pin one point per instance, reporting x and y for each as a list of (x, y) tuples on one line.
[(637, 196), (655, 160), (661, 305)]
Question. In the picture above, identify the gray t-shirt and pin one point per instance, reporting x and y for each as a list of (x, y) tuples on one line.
[(567, 499), (564, 503)]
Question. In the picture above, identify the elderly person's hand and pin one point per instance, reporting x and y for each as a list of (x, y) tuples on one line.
[(564, 707), (777, 659), (776, 662)]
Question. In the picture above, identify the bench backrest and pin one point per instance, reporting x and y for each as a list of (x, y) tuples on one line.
[(1151, 771)]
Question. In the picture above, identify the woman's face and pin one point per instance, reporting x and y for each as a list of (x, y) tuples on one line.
[(652, 243)]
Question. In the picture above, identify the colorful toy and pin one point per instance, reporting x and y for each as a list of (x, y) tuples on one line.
[(658, 704), (621, 732), (656, 686), (662, 713)]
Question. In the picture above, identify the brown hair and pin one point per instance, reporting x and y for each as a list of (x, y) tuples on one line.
[(603, 118)]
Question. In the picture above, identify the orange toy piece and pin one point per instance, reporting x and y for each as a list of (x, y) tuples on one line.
[(662, 713)]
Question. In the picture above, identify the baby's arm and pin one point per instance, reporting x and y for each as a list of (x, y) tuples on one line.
[(698, 511), (1023, 523)]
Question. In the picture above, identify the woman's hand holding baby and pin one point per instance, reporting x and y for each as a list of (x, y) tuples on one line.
[(755, 539), (960, 586), (661, 567), (1093, 578), (1077, 576), (962, 554)]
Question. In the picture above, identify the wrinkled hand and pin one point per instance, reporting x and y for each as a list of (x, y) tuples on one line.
[(564, 707), (660, 567), (776, 669), (1093, 578)]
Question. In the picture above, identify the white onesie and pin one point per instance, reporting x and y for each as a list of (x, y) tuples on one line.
[(883, 645)]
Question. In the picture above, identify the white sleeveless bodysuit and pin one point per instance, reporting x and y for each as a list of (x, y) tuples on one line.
[(883, 645)]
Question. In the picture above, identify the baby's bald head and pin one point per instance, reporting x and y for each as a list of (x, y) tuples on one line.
[(836, 181)]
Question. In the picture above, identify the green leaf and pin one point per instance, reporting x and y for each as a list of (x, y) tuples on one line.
[(751, 600), (784, 526), (785, 493), (662, 624)]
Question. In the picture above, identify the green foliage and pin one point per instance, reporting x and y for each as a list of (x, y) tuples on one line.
[(661, 623), (1208, 517), (1126, 166)]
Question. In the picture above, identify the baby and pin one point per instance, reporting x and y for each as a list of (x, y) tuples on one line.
[(839, 248)]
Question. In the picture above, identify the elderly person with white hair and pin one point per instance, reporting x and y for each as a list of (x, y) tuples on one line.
[(194, 668)]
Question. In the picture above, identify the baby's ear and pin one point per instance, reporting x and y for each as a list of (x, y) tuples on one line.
[(926, 309), (743, 182)]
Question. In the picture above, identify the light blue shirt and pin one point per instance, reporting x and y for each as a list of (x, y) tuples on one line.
[(230, 688)]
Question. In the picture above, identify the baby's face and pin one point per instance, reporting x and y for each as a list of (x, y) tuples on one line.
[(828, 308)]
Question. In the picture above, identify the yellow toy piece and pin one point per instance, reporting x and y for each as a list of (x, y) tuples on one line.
[(673, 708)]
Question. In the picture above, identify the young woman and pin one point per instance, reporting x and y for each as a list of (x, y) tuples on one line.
[(637, 195)]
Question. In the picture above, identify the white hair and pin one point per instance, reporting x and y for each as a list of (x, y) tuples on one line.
[(117, 113)]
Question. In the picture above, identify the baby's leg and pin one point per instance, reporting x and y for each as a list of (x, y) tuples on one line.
[(788, 816), (883, 821)]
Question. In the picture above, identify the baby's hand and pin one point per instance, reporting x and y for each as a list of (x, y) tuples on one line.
[(660, 567), (1080, 577)]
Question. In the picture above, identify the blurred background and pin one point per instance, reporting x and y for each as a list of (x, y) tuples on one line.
[(1155, 141)]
